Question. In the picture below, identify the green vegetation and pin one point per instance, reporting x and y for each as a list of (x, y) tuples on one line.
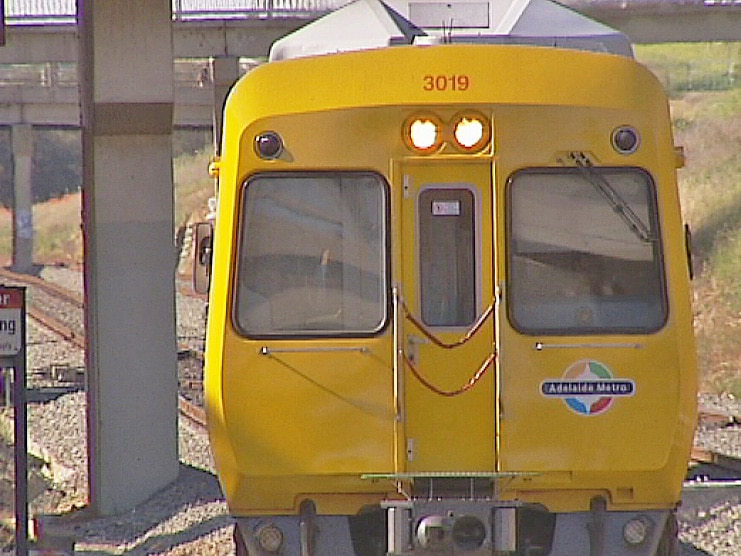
[(694, 66), (56, 169)]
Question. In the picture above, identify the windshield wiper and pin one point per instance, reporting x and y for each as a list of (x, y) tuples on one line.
[(618, 204)]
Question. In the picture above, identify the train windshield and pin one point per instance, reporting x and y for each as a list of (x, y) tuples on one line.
[(312, 257), (575, 265)]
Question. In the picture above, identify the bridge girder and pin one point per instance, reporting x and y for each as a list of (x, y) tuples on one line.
[(251, 38), (34, 44), (667, 22)]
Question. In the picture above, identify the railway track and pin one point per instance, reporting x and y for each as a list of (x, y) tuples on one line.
[(61, 311), (702, 455), (43, 301)]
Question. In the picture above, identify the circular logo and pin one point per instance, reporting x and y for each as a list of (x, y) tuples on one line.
[(588, 371), (588, 387)]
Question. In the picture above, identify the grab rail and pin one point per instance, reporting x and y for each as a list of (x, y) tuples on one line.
[(475, 378)]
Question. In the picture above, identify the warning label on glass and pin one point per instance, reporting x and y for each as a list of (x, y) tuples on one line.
[(446, 208)]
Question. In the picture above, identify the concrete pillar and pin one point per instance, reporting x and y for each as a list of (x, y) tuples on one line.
[(22, 144), (127, 104), (224, 72)]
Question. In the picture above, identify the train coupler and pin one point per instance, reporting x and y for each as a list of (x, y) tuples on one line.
[(450, 527)]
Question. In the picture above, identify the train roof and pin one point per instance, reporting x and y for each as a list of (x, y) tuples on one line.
[(366, 24)]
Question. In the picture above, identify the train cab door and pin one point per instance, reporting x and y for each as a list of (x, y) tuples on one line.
[(445, 316)]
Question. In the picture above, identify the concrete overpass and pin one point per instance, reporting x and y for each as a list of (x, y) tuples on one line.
[(250, 35), (661, 21), (38, 68), (38, 64), (249, 31), (47, 94)]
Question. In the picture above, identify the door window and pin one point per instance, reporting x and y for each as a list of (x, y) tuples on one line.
[(447, 261)]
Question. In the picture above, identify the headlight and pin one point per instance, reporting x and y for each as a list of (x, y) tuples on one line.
[(637, 529), (468, 131), (433, 533), (423, 133), (469, 533), (269, 537), (471, 132)]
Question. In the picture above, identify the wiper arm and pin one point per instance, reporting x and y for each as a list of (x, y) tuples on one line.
[(618, 204)]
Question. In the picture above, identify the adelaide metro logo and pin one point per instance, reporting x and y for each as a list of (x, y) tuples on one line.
[(588, 387)]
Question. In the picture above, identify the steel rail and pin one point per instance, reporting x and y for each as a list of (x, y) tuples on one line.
[(188, 409), (49, 287)]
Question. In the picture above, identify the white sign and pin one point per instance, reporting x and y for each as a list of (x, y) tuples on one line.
[(446, 208), (11, 302)]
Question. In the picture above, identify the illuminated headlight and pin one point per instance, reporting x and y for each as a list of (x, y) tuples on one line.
[(637, 529), (469, 132), (269, 537), (423, 133)]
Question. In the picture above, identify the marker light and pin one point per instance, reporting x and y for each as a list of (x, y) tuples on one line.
[(424, 134), (268, 145), (270, 538), (625, 140), (469, 132)]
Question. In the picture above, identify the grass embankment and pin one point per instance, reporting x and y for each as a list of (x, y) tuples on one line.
[(704, 81)]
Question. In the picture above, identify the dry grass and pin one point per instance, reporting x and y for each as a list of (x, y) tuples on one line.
[(57, 223), (718, 334), (58, 233), (708, 125), (193, 187)]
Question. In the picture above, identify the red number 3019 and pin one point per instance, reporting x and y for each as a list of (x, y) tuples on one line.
[(453, 82)]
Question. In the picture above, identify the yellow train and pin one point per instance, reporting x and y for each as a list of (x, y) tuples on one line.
[(450, 306)]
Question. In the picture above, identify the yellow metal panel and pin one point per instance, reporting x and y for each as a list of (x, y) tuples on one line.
[(296, 423), (454, 432)]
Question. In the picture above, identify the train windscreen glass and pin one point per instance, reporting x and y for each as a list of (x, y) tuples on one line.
[(584, 254), (312, 255)]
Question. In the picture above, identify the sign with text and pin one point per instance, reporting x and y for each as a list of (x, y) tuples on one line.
[(11, 305)]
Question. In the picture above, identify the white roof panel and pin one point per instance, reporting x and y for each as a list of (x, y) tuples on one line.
[(367, 24)]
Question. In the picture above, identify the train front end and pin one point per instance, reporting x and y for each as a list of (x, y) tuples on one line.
[(449, 309)]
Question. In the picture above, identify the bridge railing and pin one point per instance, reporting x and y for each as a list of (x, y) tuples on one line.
[(183, 10), (61, 12)]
